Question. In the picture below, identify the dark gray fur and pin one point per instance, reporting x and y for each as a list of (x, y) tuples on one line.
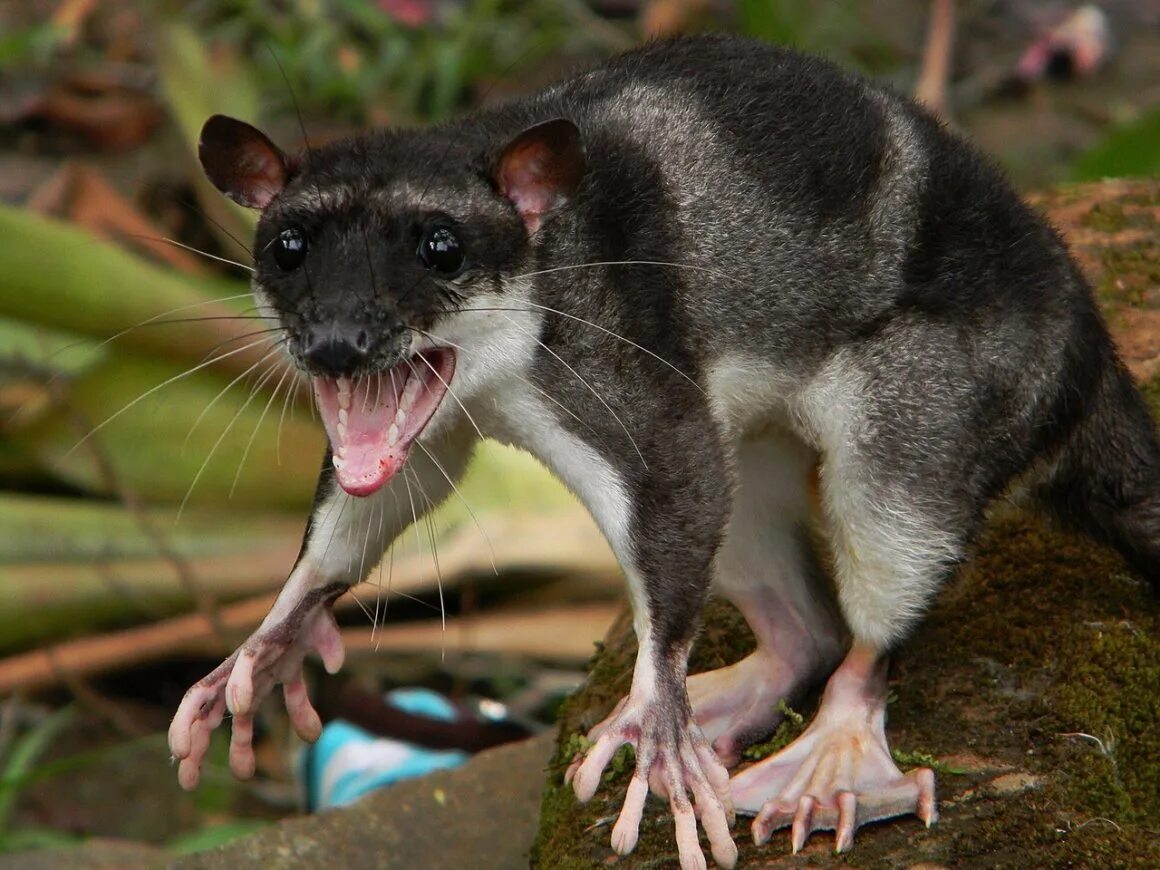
[(832, 215)]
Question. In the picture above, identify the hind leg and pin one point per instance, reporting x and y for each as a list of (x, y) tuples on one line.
[(766, 568), (891, 548)]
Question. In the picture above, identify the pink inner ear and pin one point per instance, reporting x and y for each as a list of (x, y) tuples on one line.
[(540, 168), (262, 177), (242, 162), (526, 179)]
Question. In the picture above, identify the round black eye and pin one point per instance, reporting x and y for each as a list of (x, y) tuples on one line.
[(441, 251), (290, 248)]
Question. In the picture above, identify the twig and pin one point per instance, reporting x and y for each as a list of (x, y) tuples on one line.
[(560, 632), (931, 89)]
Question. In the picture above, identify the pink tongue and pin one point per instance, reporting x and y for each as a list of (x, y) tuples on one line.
[(367, 459), (372, 420), (358, 416)]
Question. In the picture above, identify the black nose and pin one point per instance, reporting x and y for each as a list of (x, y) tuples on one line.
[(334, 350)]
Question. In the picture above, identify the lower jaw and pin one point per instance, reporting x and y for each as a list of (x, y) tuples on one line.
[(363, 485)]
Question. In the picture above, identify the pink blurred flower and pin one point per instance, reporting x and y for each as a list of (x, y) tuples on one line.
[(412, 13)]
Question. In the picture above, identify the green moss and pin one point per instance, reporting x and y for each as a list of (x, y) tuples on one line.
[(1113, 694), (621, 766), (1116, 216), (1131, 273), (916, 758), (792, 724), (1151, 390), (1106, 217), (1044, 634)]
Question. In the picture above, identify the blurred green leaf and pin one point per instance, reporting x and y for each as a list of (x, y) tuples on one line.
[(197, 86), (1131, 150), (62, 278), (165, 441), (23, 754), (29, 839), (834, 30)]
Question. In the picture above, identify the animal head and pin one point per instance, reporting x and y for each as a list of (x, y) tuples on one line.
[(370, 250)]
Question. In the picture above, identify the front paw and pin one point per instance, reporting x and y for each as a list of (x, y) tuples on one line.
[(670, 749), (272, 655)]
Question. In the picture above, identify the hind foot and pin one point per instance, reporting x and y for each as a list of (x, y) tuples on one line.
[(838, 775), (738, 705)]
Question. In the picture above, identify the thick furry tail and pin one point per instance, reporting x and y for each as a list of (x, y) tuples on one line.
[(1106, 480)]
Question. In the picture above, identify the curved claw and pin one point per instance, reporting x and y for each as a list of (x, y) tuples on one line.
[(847, 821), (802, 823)]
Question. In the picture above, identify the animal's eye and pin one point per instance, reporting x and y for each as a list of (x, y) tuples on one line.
[(441, 251), (290, 248)]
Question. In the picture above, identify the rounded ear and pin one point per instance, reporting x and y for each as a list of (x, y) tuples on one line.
[(242, 162), (541, 168)]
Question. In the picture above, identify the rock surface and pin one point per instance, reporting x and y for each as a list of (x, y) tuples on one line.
[(480, 815)]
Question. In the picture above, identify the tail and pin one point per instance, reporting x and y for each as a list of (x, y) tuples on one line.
[(1106, 480)]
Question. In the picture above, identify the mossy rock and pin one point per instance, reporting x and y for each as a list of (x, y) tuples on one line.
[(1034, 681)]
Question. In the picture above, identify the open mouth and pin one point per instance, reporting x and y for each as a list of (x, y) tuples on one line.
[(373, 420)]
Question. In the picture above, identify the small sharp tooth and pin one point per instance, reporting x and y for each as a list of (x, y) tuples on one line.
[(392, 435), (343, 392), (401, 417), (341, 431), (410, 392), (343, 416)]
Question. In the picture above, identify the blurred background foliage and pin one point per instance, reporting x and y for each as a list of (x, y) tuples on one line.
[(156, 456)]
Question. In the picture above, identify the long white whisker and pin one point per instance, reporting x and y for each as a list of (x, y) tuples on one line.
[(152, 390), (362, 562), (379, 588), (289, 402), (438, 569), (446, 343), (343, 500), (613, 334), (705, 269), (447, 387), (218, 442), (470, 512), (591, 389), (225, 390), (250, 443), (359, 602), (439, 583), (156, 318), (418, 600), (206, 254), (391, 562)]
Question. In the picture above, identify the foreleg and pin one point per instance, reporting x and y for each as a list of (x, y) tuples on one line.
[(674, 521), (344, 540)]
